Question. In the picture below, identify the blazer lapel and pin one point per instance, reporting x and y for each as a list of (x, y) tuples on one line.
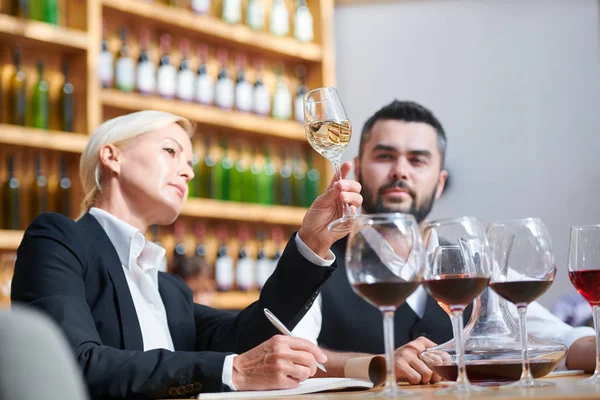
[(130, 325)]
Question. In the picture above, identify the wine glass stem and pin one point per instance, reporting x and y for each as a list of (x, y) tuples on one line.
[(596, 316), (526, 377), (457, 326), (388, 338), (338, 175)]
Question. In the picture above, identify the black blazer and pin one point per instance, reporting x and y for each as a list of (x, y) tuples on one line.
[(71, 271)]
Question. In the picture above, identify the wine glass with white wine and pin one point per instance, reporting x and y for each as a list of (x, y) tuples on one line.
[(328, 131)]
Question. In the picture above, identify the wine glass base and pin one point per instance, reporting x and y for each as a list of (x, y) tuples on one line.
[(462, 389), (342, 224), (387, 393), (592, 380), (535, 383)]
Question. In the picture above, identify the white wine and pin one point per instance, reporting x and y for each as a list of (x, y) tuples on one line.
[(329, 138)]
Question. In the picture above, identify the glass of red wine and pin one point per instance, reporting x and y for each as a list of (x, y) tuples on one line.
[(384, 259), (456, 272), (584, 272), (523, 269)]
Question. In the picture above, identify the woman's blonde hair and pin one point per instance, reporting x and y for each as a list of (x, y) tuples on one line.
[(114, 131)]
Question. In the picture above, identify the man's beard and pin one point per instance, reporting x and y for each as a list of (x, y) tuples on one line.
[(419, 212)]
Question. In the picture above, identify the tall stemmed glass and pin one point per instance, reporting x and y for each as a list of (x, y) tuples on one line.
[(384, 259), (524, 268), (456, 272), (328, 131), (584, 272)]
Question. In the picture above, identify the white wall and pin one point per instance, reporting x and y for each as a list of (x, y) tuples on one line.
[(516, 84)]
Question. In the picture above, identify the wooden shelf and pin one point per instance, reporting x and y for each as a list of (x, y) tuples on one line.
[(240, 35), (234, 300), (42, 139), (229, 210), (10, 240), (206, 115), (40, 34)]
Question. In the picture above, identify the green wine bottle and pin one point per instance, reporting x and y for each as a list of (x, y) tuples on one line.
[(39, 190), (266, 180), (206, 187), (40, 102), (63, 191), (10, 198), (51, 11), (37, 9), (236, 182), (284, 189), (66, 101), (17, 103), (251, 178), (193, 183), (221, 177), (299, 181), (313, 182)]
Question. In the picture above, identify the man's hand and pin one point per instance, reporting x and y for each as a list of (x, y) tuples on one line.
[(281, 362), (327, 208), (410, 367)]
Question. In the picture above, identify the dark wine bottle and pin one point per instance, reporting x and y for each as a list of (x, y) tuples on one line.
[(11, 198), (63, 191), (40, 102), (66, 101), (39, 190), (17, 104)]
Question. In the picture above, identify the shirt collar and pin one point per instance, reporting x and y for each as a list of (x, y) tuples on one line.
[(131, 246)]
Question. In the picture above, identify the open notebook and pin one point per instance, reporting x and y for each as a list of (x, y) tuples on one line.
[(312, 385)]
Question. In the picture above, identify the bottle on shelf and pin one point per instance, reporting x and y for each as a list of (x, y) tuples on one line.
[(313, 181), (280, 19), (51, 11), (205, 184), (193, 183), (38, 190), (18, 8), (303, 23), (201, 7), (36, 9), (40, 101), (285, 186), (224, 273), (67, 103), (63, 190), (186, 77), (244, 269), (17, 103), (224, 89), (222, 173), (105, 62), (204, 282), (266, 187), (162, 266), (261, 96), (179, 258), (232, 11), (282, 98), (166, 80), (251, 177), (125, 66), (264, 265), (299, 181), (255, 15), (238, 172), (11, 202), (205, 85), (146, 70), (302, 90), (243, 88)]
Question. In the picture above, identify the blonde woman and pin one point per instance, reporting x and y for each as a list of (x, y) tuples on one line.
[(135, 331)]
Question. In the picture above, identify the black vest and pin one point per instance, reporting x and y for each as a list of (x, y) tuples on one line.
[(352, 324)]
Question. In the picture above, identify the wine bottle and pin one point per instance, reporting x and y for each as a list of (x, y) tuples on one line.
[(303, 23), (162, 265), (125, 67), (105, 62), (223, 170), (302, 90), (282, 98), (39, 190), (266, 180), (67, 102), (186, 77), (201, 7), (243, 88), (206, 186), (193, 183), (251, 179), (179, 259), (232, 11), (40, 102), (205, 85), (17, 104), (264, 265), (63, 191), (199, 256), (299, 181), (262, 96), (236, 182), (280, 19), (37, 10), (244, 269), (313, 181), (255, 15), (146, 70), (284, 190), (224, 89), (51, 11), (224, 274), (11, 198), (167, 74)]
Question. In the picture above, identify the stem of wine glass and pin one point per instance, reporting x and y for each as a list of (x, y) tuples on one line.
[(526, 377), (338, 174), (388, 338), (462, 381), (596, 316)]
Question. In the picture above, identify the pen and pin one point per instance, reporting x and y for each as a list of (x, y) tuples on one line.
[(281, 328)]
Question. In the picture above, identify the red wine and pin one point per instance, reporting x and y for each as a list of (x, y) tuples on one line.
[(497, 373), (382, 294), (455, 291), (587, 283), (521, 292)]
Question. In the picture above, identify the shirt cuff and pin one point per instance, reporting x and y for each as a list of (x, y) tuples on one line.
[(311, 256), (227, 376)]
